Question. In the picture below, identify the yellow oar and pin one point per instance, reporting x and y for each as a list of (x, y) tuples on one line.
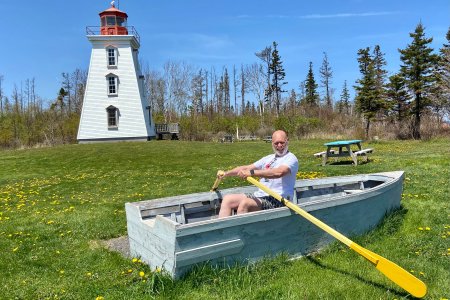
[(218, 179), (392, 271)]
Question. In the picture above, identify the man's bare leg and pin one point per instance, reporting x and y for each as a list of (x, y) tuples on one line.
[(239, 202)]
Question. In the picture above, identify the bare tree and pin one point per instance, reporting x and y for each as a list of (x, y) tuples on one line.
[(326, 74), (265, 56), (235, 87), (78, 79), (177, 78), (256, 82)]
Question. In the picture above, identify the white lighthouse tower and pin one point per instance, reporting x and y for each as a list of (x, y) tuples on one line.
[(114, 106)]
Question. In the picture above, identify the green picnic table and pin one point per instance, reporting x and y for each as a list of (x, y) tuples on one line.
[(343, 149)]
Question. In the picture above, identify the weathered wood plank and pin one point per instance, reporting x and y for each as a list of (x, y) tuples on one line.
[(208, 252)]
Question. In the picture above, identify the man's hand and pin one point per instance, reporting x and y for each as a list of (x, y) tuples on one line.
[(220, 174), (244, 174)]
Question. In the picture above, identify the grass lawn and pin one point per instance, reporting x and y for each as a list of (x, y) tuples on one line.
[(58, 204)]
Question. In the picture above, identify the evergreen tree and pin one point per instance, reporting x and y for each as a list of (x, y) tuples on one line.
[(326, 75), (292, 102), (441, 97), (343, 105), (311, 95), (197, 92), (278, 74), (417, 69), (380, 76), (398, 97), (367, 98)]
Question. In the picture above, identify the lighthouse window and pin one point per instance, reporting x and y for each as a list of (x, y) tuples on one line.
[(113, 116), (112, 85), (112, 58), (120, 21), (110, 21)]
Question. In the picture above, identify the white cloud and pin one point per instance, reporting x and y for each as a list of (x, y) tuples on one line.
[(348, 15)]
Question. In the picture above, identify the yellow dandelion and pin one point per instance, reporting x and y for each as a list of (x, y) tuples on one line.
[(134, 260), (427, 228), (158, 270), (88, 274), (100, 298), (61, 272), (15, 249), (141, 274), (130, 270), (420, 228)]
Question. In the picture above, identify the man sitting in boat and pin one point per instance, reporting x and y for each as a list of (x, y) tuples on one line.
[(277, 171)]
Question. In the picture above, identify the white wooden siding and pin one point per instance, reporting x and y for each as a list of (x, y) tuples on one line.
[(134, 121)]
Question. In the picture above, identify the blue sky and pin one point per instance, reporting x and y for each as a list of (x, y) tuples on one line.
[(42, 39)]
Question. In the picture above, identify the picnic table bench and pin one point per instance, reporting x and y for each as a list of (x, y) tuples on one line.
[(247, 138), (344, 149), (268, 139)]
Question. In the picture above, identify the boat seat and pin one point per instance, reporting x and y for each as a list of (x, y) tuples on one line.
[(352, 191)]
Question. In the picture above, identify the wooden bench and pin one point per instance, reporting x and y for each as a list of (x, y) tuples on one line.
[(247, 138), (227, 139), (321, 154), (363, 153), (268, 139)]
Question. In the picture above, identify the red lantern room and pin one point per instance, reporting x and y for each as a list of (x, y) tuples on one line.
[(113, 21)]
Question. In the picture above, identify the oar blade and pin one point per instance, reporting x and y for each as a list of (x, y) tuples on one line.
[(400, 276)]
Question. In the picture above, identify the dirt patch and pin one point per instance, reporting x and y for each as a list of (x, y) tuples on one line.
[(119, 244)]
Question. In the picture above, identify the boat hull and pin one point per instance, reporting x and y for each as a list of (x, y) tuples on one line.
[(176, 233)]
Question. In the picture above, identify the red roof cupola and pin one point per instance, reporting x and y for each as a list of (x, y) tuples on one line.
[(113, 21)]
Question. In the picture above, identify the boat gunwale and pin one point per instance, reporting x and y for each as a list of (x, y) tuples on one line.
[(251, 217), (389, 178)]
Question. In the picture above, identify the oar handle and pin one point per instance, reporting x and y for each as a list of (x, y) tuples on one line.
[(220, 173)]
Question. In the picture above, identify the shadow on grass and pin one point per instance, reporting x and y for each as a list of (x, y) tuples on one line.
[(362, 279), (346, 163)]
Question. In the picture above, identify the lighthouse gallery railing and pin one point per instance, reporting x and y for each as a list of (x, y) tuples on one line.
[(95, 30)]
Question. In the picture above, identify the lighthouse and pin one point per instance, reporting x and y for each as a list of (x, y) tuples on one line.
[(114, 104)]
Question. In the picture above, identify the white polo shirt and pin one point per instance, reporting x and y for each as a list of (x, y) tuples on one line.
[(283, 185)]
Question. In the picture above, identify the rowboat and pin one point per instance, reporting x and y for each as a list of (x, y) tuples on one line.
[(176, 233)]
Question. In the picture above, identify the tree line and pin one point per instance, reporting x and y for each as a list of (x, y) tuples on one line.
[(252, 98)]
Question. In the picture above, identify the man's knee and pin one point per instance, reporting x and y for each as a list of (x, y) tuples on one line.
[(248, 205)]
